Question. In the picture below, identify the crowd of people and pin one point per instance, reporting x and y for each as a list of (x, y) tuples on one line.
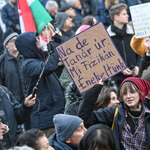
[(40, 106)]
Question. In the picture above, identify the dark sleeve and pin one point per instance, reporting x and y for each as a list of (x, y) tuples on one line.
[(138, 58), (86, 108), (22, 113), (4, 16), (144, 64)]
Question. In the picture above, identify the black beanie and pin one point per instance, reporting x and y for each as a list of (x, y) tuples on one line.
[(9, 33)]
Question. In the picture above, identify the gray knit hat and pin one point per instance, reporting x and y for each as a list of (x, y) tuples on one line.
[(61, 18), (9, 33), (65, 125)]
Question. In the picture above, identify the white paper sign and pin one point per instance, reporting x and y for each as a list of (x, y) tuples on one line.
[(141, 19)]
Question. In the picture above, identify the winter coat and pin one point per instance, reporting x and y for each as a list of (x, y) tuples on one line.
[(15, 114), (73, 99), (11, 76), (106, 116), (10, 16), (138, 46), (126, 52), (50, 99), (67, 35)]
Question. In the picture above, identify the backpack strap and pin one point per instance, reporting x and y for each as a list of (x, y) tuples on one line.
[(116, 112)]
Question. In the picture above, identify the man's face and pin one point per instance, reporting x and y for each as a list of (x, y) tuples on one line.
[(78, 4), (123, 17), (68, 23), (78, 134), (70, 12), (44, 143), (11, 45), (53, 12)]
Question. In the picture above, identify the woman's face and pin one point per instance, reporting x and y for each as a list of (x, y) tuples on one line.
[(45, 33), (131, 98), (113, 100)]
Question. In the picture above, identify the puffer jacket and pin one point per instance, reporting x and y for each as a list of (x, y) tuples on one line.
[(106, 116)]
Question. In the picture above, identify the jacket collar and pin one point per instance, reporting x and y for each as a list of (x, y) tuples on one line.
[(11, 57), (129, 30)]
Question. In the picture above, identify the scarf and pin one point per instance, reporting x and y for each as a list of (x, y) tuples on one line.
[(120, 32)]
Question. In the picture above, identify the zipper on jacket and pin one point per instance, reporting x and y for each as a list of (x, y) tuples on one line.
[(124, 52)]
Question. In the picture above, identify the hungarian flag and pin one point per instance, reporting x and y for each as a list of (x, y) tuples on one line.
[(25, 16), (39, 14)]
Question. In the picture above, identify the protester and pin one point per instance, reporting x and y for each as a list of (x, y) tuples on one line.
[(76, 5), (107, 98), (145, 52), (69, 131), (98, 137), (132, 119), (15, 114), (10, 15), (35, 139), (121, 34), (70, 11), (10, 67), (50, 99), (52, 8), (65, 26)]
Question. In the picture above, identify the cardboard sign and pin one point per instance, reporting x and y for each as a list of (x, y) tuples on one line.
[(141, 19), (90, 56)]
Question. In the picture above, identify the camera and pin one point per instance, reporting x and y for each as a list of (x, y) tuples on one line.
[(132, 69)]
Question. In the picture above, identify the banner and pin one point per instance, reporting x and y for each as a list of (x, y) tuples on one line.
[(90, 56), (141, 19)]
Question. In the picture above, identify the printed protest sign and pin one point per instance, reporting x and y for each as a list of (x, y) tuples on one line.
[(141, 19), (90, 56)]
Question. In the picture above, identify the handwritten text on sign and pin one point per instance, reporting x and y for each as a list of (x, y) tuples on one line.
[(141, 19), (90, 56)]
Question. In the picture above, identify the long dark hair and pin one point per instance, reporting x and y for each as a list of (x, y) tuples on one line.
[(104, 97)]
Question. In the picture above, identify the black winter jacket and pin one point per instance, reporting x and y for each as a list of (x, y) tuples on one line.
[(126, 52), (11, 76), (50, 98), (15, 114), (10, 16), (106, 116)]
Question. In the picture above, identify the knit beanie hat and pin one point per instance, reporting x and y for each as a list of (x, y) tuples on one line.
[(65, 125), (61, 17), (9, 33), (141, 84)]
